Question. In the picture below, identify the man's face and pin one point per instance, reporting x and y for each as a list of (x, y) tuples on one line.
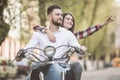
[(56, 17)]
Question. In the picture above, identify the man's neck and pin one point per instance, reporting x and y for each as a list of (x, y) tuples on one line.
[(53, 28)]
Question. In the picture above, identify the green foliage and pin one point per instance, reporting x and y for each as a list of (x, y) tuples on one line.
[(4, 28)]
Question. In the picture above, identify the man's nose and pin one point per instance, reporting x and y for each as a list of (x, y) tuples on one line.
[(60, 17)]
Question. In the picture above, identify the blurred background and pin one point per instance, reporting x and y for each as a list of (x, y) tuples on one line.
[(17, 18)]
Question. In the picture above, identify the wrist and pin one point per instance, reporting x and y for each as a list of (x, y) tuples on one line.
[(45, 30), (103, 25), (99, 26)]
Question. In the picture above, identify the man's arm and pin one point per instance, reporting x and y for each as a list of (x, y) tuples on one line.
[(74, 42), (32, 43)]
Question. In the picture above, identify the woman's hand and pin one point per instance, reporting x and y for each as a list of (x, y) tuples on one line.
[(51, 36), (109, 20)]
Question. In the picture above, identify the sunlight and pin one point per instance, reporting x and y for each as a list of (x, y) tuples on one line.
[(117, 3)]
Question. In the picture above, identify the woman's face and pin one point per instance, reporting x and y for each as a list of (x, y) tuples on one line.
[(68, 22)]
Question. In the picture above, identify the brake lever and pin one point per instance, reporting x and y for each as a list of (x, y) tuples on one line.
[(80, 51)]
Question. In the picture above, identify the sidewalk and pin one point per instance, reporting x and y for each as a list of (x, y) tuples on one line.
[(103, 74)]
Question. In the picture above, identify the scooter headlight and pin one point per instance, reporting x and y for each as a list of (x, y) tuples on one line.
[(49, 51)]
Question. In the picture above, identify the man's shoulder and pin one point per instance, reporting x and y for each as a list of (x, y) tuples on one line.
[(37, 33)]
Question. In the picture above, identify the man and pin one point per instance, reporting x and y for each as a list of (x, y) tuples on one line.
[(63, 36)]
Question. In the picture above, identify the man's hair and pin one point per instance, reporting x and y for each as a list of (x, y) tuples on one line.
[(51, 8)]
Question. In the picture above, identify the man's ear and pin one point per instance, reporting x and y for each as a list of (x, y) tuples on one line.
[(49, 17)]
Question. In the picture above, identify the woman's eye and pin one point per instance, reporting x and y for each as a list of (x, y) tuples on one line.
[(68, 19)]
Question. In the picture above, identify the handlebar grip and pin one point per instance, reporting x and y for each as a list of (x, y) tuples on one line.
[(79, 51), (21, 53)]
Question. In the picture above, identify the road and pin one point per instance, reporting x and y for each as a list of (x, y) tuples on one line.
[(103, 74)]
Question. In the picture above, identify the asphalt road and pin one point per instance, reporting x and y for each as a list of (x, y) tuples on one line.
[(103, 74)]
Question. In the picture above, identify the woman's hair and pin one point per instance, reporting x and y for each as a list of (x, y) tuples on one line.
[(64, 15)]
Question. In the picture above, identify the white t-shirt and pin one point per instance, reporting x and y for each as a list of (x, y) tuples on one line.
[(63, 37)]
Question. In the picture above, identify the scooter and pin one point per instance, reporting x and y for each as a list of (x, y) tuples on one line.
[(51, 68)]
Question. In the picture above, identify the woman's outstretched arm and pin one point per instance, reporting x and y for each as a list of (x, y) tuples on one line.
[(93, 29)]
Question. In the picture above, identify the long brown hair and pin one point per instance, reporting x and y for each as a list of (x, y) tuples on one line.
[(64, 15)]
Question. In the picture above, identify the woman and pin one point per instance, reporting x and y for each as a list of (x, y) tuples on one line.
[(69, 23)]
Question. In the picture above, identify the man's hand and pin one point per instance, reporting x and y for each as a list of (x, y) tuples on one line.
[(109, 20), (84, 48), (18, 58), (20, 55)]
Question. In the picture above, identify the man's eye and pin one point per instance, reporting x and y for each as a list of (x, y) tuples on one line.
[(57, 14)]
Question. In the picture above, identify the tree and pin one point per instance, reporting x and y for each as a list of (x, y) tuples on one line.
[(4, 27)]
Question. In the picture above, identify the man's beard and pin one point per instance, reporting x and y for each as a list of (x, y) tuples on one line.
[(56, 23)]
